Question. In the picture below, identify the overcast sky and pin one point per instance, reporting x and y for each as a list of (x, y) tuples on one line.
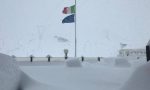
[(31, 26)]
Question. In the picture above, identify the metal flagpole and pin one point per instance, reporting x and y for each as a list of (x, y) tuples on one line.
[(75, 30)]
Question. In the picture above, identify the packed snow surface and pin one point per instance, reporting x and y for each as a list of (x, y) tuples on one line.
[(93, 75), (108, 74)]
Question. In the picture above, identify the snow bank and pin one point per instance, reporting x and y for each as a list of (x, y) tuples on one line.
[(10, 73), (12, 77), (122, 62), (73, 62), (28, 83), (140, 80), (108, 61)]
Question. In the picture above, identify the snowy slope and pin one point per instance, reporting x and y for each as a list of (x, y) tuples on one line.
[(109, 74), (30, 26), (139, 80), (10, 73), (12, 78), (105, 75)]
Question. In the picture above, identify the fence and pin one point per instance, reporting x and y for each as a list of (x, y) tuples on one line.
[(51, 59)]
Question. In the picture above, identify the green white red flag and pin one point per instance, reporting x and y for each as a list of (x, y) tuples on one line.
[(69, 10)]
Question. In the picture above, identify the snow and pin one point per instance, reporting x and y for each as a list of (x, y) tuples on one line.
[(140, 79), (33, 27), (12, 77), (10, 74), (93, 75), (107, 74), (148, 43), (78, 78), (73, 62), (122, 62)]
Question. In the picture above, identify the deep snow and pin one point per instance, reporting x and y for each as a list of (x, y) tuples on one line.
[(10, 73), (140, 79), (12, 77), (104, 75), (109, 74), (73, 62)]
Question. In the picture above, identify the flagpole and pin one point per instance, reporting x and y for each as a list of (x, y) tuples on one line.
[(75, 30)]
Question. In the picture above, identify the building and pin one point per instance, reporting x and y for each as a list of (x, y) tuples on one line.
[(132, 53)]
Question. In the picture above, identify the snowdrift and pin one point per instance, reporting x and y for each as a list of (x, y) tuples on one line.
[(74, 62), (122, 62), (10, 74), (140, 80), (12, 78)]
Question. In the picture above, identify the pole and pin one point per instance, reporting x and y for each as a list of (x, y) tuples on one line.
[(75, 30)]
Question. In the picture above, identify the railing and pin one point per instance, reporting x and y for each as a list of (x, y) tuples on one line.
[(50, 59)]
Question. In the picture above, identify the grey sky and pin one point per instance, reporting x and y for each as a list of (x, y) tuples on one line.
[(29, 26)]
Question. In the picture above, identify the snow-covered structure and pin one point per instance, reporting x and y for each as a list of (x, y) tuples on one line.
[(122, 62), (132, 52), (74, 62)]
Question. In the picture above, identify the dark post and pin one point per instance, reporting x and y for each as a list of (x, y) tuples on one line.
[(99, 59), (82, 58), (66, 53), (66, 57), (13, 56), (31, 58), (147, 53), (49, 58)]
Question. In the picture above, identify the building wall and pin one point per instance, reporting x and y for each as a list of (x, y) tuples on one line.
[(132, 52)]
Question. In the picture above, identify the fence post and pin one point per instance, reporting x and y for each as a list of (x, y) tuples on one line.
[(49, 58), (148, 53), (13, 56), (66, 53), (31, 58), (82, 58), (99, 59)]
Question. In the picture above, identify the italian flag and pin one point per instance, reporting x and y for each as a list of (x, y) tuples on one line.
[(69, 10)]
